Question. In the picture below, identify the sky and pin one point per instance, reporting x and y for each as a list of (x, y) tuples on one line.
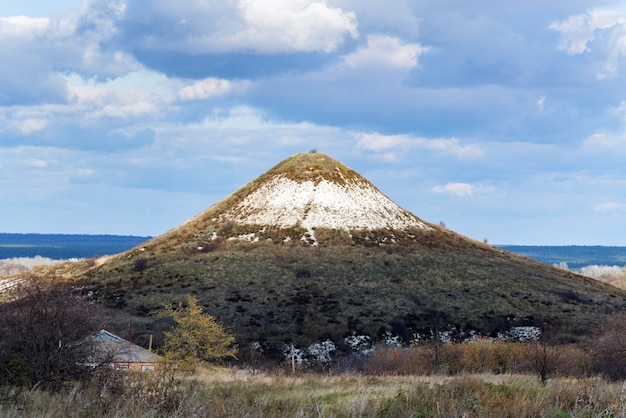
[(506, 121)]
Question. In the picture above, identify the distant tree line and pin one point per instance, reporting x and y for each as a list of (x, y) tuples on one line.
[(64, 246)]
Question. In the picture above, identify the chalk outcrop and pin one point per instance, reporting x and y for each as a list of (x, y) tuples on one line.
[(336, 198)]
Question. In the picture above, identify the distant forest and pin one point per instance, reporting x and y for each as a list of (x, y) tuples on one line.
[(576, 256), (65, 246)]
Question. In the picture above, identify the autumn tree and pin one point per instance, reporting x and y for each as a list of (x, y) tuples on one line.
[(196, 338)]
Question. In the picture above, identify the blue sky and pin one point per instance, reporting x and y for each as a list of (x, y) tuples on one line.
[(506, 121)]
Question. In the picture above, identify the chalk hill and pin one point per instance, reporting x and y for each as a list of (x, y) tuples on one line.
[(311, 251)]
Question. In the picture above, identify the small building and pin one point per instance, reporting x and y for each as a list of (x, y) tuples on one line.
[(121, 354)]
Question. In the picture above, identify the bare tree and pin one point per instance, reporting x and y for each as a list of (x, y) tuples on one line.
[(543, 356), (608, 349), (42, 325)]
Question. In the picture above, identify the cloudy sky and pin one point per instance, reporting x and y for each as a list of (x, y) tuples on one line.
[(505, 120)]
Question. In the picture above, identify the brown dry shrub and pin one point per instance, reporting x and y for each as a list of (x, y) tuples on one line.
[(332, 237), (608, 349), (393, 361), (480, 356)]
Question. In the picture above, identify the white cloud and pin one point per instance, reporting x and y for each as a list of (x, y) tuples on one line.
[(22, 26), (604, 143), (379, 142), (204, 89), (35, 50), (130, 110), (29, 126), (101, 17), (300, 25), (388, 51), (38, 164), (452, 146), (456, 189), (270, 26), (601, 31), (106, 64), (540, 103), (119, 98), (608, 207), (85, 172), (579, 31)]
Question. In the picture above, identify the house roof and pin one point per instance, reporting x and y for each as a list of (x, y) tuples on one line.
[(113, 349)]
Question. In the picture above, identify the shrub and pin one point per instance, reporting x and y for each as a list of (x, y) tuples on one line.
[(608, 349), (41, 328), (480, 356), (212, 245), (140, 264), (303, 273)]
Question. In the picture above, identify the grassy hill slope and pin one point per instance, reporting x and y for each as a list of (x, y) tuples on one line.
[(281, 292)]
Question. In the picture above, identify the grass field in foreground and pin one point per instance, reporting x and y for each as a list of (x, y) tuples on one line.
[(226, 392)]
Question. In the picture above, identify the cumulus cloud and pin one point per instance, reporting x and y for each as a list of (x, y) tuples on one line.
[(601, 32), (42, 48), (456, 189), (118, 99), (204, 89), (294, 25), (273, 26), (451, 146), (383, 50), (92, 114), (580, 30), (29, 126), (14, 27), (604, 143)]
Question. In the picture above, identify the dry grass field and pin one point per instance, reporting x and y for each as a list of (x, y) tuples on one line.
[(231, 393)]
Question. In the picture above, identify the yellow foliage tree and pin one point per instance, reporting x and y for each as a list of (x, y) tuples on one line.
[(196, 338)]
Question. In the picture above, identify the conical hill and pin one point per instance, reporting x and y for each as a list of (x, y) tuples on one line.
[(311, 251), (301, 194)]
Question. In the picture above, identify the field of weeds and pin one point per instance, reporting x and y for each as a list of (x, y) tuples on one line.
[(232, 393)]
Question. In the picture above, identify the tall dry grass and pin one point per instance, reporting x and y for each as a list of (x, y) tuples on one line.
[(226, 393), (16, 265)]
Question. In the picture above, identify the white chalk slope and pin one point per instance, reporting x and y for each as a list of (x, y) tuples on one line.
[(352, 204)]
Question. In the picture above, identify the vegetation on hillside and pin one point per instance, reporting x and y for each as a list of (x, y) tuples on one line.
[(292, 285), (440, 280)]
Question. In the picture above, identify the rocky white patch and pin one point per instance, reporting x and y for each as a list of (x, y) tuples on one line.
[(286, 203)]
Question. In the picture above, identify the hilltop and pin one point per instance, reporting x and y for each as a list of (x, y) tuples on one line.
[(311, 251)]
